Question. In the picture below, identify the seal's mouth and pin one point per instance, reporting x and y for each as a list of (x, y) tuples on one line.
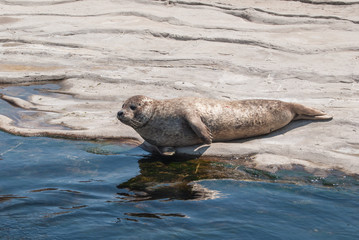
[(122, 117), (127, 120)]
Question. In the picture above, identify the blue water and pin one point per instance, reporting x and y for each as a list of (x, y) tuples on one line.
[(63, 189)]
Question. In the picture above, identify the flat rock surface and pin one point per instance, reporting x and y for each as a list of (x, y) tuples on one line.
[(102, 52)]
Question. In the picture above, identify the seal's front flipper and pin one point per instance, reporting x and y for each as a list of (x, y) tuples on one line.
[(166, 151), (199, 128)]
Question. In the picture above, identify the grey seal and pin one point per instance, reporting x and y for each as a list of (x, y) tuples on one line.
[(187, 121)]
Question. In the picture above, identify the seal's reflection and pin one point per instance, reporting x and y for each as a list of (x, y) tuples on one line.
[(170, 178)]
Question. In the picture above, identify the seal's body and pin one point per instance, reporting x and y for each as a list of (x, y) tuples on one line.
[(189, 121)]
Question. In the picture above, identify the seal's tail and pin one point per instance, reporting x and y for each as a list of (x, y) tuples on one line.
[(303, 112)]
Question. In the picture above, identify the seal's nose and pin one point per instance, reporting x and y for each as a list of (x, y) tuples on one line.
[(119, 114)]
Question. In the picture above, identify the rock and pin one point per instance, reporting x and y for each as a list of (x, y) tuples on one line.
[(102, 52)]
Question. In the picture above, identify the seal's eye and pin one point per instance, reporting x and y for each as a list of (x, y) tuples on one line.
[(133, 107)]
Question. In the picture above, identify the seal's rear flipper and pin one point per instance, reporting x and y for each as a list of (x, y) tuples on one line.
[(303, 112), (306, 117), (164, 151)]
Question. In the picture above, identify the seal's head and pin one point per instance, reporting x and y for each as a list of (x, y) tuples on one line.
[(136, 111)]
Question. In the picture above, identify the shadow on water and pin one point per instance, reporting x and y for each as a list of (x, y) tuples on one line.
[(174, 178), (170, 178)]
